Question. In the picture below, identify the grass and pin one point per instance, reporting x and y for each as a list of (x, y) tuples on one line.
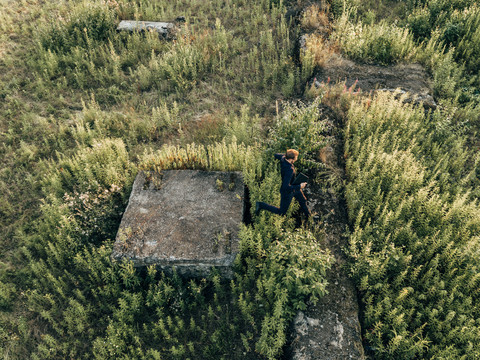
[(414, 219), (83, 107)]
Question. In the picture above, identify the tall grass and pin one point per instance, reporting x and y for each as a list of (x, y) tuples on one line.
[(79, 103), (379, 42), (83, 107), (89, 306), (414, 225), (84, 51)]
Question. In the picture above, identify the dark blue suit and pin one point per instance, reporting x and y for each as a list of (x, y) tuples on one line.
[(287, 190)]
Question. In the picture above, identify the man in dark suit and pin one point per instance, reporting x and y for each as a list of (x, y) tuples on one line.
[(287, 190)]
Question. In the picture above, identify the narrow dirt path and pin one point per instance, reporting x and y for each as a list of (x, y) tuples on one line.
[(330, 330)]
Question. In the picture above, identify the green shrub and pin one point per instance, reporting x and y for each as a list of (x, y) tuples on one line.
[(468, 46), (291, 271), (74, 163), (299, 127), (87, 25), (418, 22), (299, 265), (380, 43), (448, 75), (413, 228), (92, 185), (244, 128), (7, 293)]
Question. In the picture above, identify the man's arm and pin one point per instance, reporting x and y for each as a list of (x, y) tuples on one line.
[(278, 156)]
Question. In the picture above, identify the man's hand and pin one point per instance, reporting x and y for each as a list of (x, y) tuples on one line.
[(302, 185)]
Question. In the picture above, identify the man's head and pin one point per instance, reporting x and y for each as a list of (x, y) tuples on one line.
[(291, 155)]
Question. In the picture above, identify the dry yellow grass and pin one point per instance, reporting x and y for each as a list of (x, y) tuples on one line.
[(320, 49), (315, 17)]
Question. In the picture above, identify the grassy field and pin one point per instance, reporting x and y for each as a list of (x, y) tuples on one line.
[(83, 108)]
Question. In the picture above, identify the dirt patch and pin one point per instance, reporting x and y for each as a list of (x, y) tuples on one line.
[(408, 78), (329, 330)]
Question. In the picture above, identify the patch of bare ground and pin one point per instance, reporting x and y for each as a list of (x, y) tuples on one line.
[(330, 329), (368, 78)]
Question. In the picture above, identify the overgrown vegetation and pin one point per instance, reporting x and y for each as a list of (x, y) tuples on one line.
[(412, 184), (83, 108), (414, 242)]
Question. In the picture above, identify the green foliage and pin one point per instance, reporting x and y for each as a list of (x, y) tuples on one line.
[(299, 264), (285, 268), (467, 39), (84, 50), (184, 64), (287, 272), (68, 164), (93, 123), (413, 227), (380, 43), (244, 128), (220, 156), (300, 128), (419, 24), (429, 15), (87, 25)]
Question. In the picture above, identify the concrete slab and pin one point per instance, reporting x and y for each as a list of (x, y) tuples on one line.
[(163, 28), (183, 218)]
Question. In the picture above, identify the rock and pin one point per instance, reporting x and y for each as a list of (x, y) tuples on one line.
[(425, 99), (330, 330), (165, 29), (302, 42), (187, 219)]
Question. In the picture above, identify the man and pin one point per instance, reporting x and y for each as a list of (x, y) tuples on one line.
[(287, 190)]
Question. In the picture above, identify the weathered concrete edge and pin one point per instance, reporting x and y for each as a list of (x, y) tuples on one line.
[(187, 268), (134, 25)]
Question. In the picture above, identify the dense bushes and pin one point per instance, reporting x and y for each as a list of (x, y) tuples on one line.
[(414, 233), (90, 307), (67, 166), (83, 50), (88, 25), (380, 43), (298, 127), (427, 16)]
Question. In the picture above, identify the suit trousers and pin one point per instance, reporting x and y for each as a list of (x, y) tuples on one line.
[(285, 201)]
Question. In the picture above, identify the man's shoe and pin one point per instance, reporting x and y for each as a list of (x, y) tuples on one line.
[(257, 208)]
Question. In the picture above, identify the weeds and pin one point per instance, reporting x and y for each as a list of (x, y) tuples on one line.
[(84, 107), (407, 249), (381, 43)]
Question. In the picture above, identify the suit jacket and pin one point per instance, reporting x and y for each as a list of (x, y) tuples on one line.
[(288, 175)]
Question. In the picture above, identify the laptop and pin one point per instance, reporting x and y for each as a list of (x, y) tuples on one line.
[(301, 178)]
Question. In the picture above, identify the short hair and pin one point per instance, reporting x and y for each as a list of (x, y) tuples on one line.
[(291, 154)]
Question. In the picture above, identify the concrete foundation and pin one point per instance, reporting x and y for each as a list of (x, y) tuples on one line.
[(187, 219)]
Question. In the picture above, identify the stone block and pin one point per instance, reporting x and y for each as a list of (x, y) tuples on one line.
[(187, 219), (163, 28)]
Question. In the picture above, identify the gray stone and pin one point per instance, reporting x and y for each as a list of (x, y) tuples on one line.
[(163, 28), (330, 330), (302, 42), (187, 219)]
